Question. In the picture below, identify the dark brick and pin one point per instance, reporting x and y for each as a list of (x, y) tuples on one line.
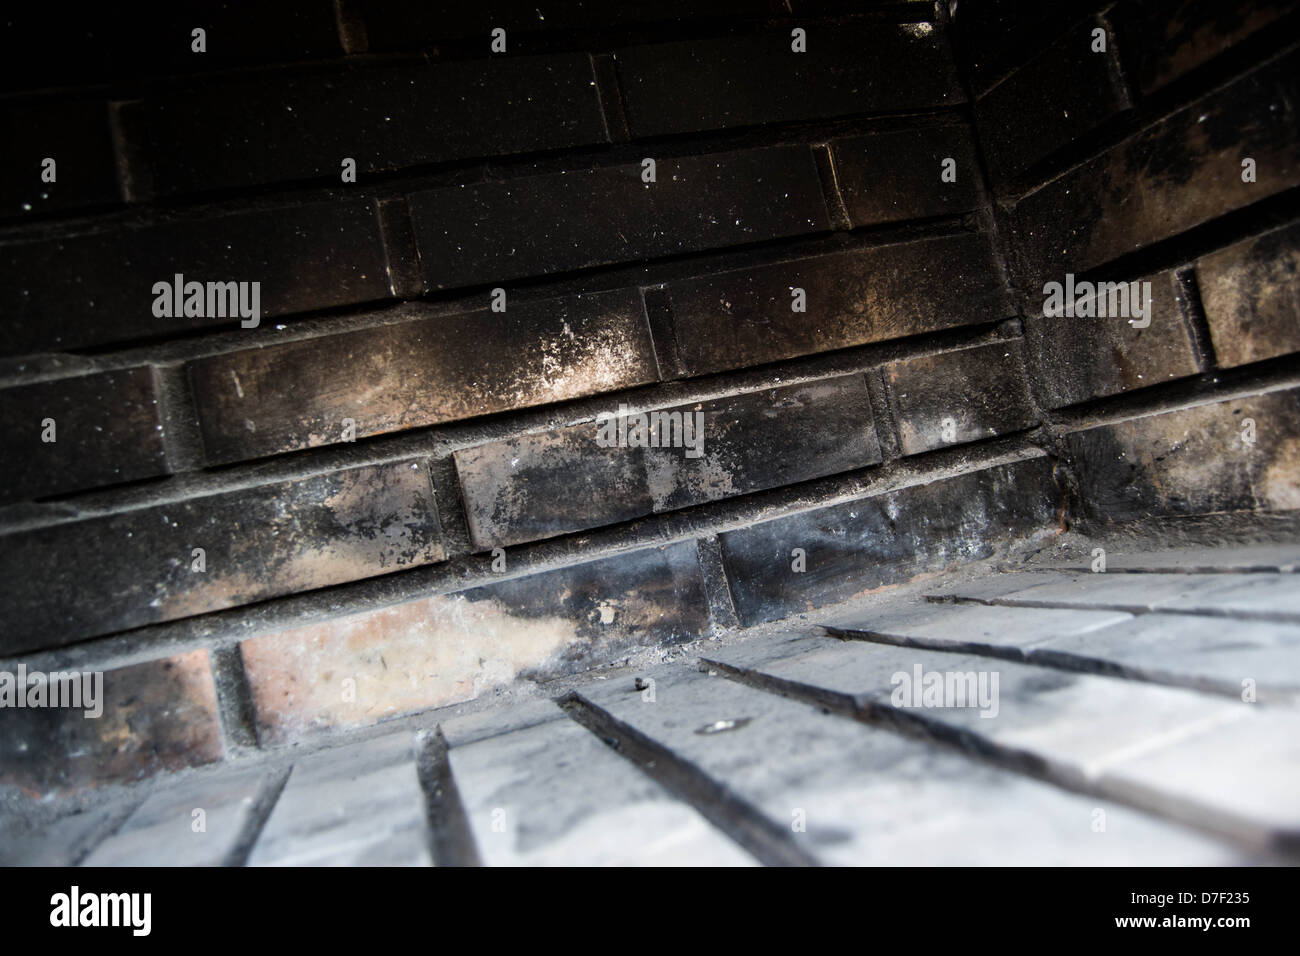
[(759, 79), (860, 546), (1176, 174), (97, 288), (449, 648), (157, 716), (1165, 39), (1251, 295), (921, 9), (269, 400), (414, 24), (160, 40), (1083, 358), (75, 134), (982, 391), (556, 222), (887, 177), (562, 481), (51, 44), (105, 574), (539, 486), (1120, 356), (69, 44), (744, 317), (1192, 461), (261, 130), (821, 428), (996, 36), (1062, 93), (107, 431)]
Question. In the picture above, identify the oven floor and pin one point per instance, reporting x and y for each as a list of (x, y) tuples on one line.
[(1053, 714)]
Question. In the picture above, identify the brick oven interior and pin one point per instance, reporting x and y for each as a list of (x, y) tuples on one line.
[(657, 432)]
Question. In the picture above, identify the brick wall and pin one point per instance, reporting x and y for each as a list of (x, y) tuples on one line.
[(1155, 143), (390, 494)]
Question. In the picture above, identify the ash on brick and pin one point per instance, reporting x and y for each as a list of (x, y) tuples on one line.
[(430, 370)]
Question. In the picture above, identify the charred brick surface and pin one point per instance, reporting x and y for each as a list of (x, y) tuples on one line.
[(385, 117), (297, 395), (815, 558), (98, 288), (105, 429), (567, 480), (754, 80), (143, 565), (746, 316), (1197, 460), (508, 230), (156, 716), (1251, 295), (1178, 173), (1121, 355)]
